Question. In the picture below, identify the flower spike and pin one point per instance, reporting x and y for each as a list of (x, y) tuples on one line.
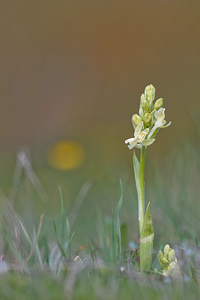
[(150, 119)]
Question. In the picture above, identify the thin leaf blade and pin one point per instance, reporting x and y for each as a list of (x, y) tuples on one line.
[(63, 219), (118, 226)]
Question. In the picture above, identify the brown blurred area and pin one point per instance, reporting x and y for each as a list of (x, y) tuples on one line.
[(76, 69)]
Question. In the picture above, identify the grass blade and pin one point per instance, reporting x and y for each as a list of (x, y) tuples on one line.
[(12, 247), (36, 238), (46, 250), (26, 234), (59, 244), (103, 237), (37, 249), (118, 226), (69, 242), (63, 219), (69, 237), (113, 240)]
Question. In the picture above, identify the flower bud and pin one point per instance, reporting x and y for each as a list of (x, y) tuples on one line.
[(144, 104), (150, 93), (141, 112), (136, 119), (147, 118), (142, 100), (146, 107), (148, 88), (158, 104), (168, 263), (166, 250), (171, 255)]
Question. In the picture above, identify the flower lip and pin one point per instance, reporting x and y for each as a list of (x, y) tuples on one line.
[(132, 143)]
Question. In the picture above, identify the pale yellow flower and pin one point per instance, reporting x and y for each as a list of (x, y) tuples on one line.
[(139, 138), (160, 121)]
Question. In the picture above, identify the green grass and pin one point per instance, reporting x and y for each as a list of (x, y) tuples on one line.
[(48, 260), (89, 284)]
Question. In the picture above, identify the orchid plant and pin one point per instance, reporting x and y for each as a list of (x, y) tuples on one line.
[(146, 125), (168, 263)]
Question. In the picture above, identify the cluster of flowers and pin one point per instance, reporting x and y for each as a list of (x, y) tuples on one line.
[(150, 119), (168, 262)]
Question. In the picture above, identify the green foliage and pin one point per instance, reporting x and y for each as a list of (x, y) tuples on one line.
[(118, 225), (43, 265), (136, 166), (111, 234), (146, 241), (145, 220), (91, 285), (11, 245)]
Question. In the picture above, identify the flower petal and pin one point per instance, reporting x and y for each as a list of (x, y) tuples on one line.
[(148, 142), (129, 140), (138, 128), (132, 143), (138, 146), (146, 131), (165, 125), (160, 114)]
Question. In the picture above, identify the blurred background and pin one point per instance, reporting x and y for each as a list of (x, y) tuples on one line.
[(72, 73)]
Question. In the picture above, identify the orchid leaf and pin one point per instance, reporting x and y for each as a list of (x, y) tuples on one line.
[(136, 166), (146, 242)]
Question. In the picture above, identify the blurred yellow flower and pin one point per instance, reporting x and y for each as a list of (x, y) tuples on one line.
[(66, 155)]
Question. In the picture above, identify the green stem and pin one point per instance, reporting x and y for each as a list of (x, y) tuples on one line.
[(141, 199)]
